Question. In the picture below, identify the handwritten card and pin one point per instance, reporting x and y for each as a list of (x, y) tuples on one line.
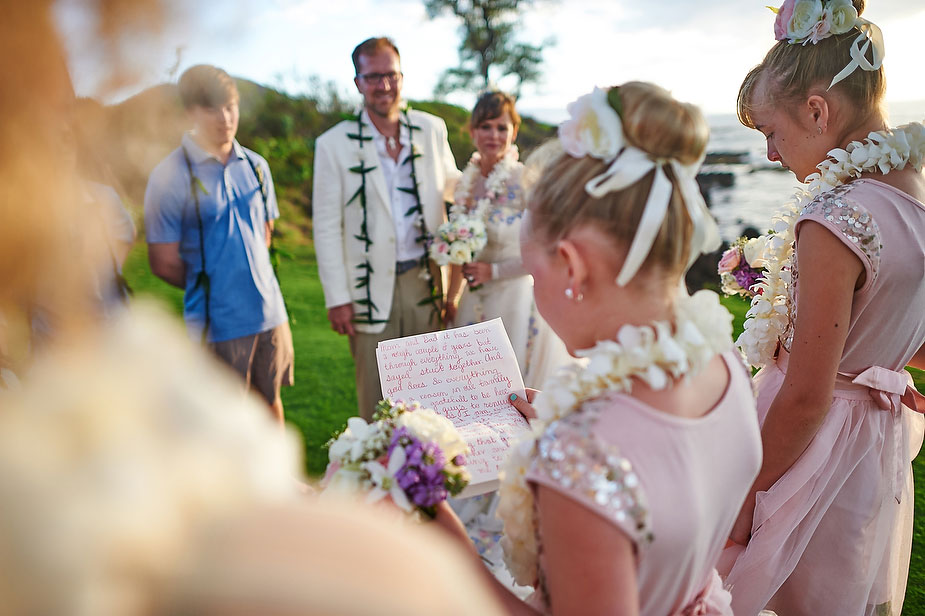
[(467, 374)]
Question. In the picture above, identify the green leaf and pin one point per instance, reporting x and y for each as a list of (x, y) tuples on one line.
[(613, 97), (200, 185), (366, 319), (410, 157), (355, 195), (361, 169)]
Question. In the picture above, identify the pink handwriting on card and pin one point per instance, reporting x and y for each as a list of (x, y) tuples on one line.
[(467, 374)]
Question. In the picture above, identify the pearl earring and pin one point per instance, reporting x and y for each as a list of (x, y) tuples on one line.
[(569, 293)]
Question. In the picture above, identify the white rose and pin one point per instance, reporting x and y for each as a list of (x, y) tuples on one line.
[(805, 15), (460, 253), (594, 128), (428, 426), (755, 251), (842, 15)]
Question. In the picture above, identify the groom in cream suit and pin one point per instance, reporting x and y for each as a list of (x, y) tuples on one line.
[(380, 184)]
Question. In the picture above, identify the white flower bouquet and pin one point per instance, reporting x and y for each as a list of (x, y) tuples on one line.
[(409, 454), (458, 240)]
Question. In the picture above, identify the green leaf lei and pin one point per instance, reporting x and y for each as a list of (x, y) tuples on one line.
[(424, 237)]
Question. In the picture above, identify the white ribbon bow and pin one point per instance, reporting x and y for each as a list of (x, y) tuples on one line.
[(870, 34), (632, 164)]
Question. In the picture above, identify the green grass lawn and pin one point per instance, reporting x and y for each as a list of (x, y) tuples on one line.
[(323, 396)]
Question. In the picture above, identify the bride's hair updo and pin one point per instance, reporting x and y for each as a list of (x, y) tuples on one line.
[(795, 70), (659, 125)]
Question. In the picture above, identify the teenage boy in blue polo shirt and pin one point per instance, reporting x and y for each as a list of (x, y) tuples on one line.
[(209, 212)]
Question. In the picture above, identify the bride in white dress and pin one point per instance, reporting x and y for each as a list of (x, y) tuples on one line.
[(494, 185)]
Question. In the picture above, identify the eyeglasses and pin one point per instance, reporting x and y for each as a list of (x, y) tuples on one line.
[(373, 78)]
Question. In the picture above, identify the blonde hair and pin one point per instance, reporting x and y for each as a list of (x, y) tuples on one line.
[(796, 70), (659, 125)]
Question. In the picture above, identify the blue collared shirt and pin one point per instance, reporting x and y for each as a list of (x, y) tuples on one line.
[(245, 297)]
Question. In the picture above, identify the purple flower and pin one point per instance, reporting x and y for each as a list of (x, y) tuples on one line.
[(746, 276), (421, 477)]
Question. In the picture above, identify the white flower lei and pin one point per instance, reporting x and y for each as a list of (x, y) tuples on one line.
[(768, 317), (495, 184), (652, 353)]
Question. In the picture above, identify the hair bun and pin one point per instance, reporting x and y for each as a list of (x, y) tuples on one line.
[(656, 123)]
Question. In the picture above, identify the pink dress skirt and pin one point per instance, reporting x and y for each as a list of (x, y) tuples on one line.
[(833, 534)]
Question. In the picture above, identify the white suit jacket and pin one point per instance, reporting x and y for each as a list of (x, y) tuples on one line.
[(335, 224)]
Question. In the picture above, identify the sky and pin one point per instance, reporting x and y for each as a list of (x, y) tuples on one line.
[(698, 49)]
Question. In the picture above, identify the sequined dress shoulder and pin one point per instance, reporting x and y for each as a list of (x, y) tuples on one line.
[(573, 461), (851, 223)]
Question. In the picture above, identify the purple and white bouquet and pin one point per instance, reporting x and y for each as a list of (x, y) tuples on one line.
[(408, 454), (458, 240), (742, 265)]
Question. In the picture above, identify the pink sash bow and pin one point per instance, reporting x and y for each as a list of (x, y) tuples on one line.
[(890, 390)]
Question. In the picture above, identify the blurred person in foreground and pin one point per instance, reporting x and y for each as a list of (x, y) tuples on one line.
[(135, 479), (380, 185), (99, 240), (209, 214)]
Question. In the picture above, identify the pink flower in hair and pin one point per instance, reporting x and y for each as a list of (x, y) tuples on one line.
[(821, 29), (784, 13)]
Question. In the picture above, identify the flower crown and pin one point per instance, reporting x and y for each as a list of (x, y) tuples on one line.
[(810, 21), (595, 129)]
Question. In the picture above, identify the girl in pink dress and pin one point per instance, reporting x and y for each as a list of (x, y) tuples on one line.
[(621, 500), (827, 526)]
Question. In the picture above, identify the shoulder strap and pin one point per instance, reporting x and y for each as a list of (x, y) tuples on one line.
[(274, 254), (258, 173), (202, 278)]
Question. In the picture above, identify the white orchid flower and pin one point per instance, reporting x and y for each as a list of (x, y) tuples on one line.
[(384, 481)]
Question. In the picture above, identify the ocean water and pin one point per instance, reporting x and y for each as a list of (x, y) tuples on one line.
[(760, 187)]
